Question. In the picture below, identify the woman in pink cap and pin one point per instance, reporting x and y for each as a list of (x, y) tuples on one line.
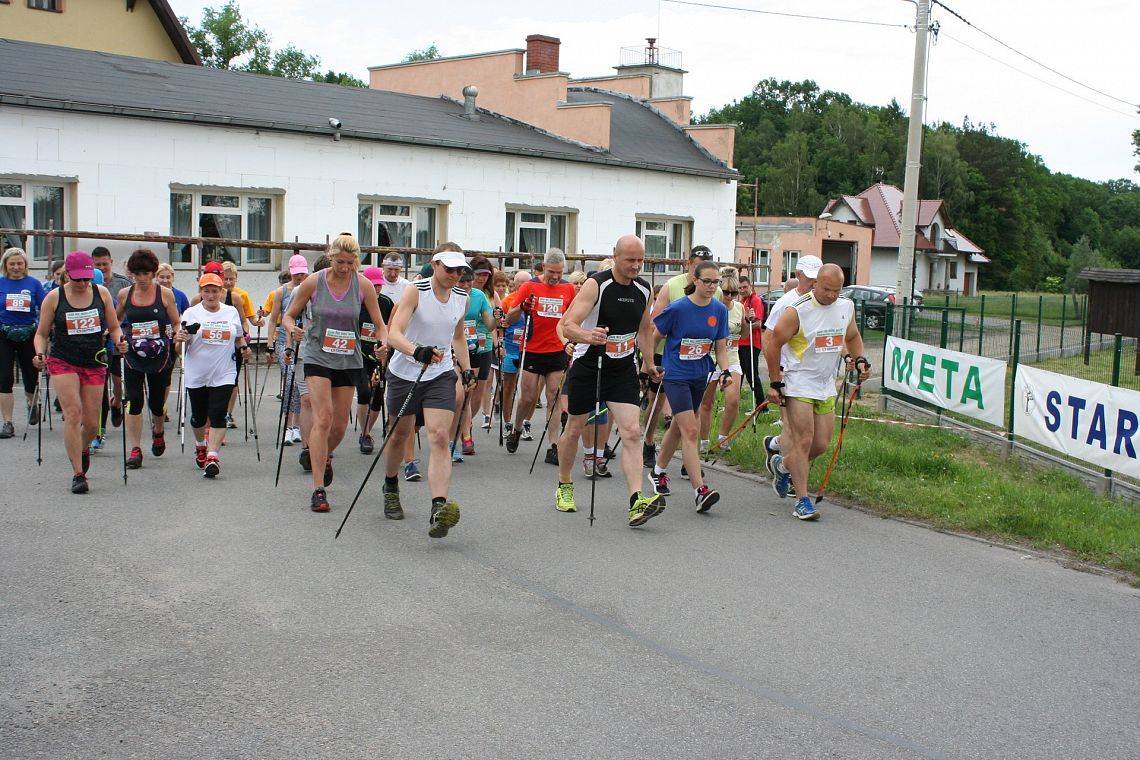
[(296, 423), (77, 317)]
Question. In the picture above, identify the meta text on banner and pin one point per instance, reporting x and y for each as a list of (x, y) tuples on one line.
[(963, 383)]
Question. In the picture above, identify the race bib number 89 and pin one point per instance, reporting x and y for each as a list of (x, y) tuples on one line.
[(83, 322), (18, 302), (620, 346), (692, 349), (340, 342)]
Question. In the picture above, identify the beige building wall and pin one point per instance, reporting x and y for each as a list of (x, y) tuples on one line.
[(718, 139), (848, 245), (103, 25)]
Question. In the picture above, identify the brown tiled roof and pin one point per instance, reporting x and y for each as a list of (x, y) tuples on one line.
[(880, 206)]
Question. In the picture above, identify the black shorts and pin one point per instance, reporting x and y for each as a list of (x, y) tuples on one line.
[(116, 365), (654, 387), (437, 393), (339, 378), (481, 363), (619, 386), (544, 364)]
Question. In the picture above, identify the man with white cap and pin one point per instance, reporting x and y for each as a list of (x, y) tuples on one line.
[(394, 282), (806, 271), (427, 339)]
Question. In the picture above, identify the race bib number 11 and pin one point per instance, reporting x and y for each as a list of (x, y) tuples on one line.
[(620, 346)]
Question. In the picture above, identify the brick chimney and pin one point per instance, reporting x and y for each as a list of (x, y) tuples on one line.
[(542, 54)]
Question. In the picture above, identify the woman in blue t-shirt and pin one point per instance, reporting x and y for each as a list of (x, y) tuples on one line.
[(21, 309), (693, 327)]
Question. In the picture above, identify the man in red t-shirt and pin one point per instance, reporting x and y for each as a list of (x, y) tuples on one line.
[(543, 354), (751, 356)]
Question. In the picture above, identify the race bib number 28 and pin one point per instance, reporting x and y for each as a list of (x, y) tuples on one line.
[(83, 322)]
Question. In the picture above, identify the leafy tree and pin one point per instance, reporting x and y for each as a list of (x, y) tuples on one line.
[(430, 53), (1083, 257), (344, 80)]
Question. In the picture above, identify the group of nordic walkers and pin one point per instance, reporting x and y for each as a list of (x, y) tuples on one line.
[(428, 359)]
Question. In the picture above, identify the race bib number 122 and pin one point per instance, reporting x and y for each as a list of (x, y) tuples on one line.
[(83, 322)]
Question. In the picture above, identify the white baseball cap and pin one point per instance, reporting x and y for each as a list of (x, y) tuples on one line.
[(809, 265), (450, 258)]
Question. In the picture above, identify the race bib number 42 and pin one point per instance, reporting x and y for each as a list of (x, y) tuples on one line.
[(18, 302), (340, 342), (692, 349), (550, 307), (217, 333), (83, 322), (145, 329), (828, 342), (620, 346)]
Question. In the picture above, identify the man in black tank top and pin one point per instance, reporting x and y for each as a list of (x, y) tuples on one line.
[(609, 320)]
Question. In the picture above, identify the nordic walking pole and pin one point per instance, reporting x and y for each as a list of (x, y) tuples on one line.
[(47, 404), (845, 412), (181, 406), (124, 427), (32, 408), (519, 374), (256, 442), (255, 372), (245, 404), (597, 414), (653, 406), (499, 382), (383, 444), (554, 404), (284, 400)]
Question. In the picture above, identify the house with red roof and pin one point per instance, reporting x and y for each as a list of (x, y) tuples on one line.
[(944, 258)]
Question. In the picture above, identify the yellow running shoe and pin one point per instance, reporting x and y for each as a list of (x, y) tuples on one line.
[(564, 498), (643, 508)]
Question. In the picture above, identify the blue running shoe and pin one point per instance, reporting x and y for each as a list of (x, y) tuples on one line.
[(97, 443), (412, 471), (804, 509), (781, 479), (455, 455)]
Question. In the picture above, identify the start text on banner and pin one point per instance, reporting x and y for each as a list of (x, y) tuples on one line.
[(1093, 422), (963, 383)]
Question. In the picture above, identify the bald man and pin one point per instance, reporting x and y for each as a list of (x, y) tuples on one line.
[(804, 355)]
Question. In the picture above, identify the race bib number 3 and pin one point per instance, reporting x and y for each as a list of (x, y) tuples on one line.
[(550, 307), (217, 333), (368, 332), (18, 302), (692, 349), (620, 346), (145, 329), (827, 342), (340, 342), (83, 322)]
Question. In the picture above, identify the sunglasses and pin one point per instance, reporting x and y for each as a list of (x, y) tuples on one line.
[(452, 270), (731, 292), (703, 281)]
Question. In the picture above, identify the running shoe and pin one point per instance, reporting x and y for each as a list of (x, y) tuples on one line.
[(706, 497), (804, 509), (781, 478), (648, 455), (486, 422), (769, 453), (296, 435), (552, 455), (412, 471), (305, 460), (392, 508), (213, 466), (79, 484), (684, 473), (564, 498), (588, 465), (328, 478), (85, 458), (6, 430), (660, 483), (200, 457), (513, 441), (34, 414), (507, 428), (230, 424), (117, 415), (601, 469), (287, 439), (134, 461), (367, 445), (468, 446), (526, 436), (443, 518), (456, 456), (97, 442), (643, 508), (319, 501), (157, 444)]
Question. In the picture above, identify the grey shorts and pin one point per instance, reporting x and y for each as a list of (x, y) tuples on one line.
[(438, 393)]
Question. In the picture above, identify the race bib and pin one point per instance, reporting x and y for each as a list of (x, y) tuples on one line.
[(368, 332), (145, 329), (692, 349), (83, 322), (469, 331), (18, 302), (517, 335), (620, 346), (733, 343), (482, 347), (340, 342), (217, 333), (828, 341), (550, 307)]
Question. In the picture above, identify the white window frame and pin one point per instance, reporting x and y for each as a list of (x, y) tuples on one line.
[(763, 260), (374, 202), (791, 261), (570, 219), (37, 247), (672, 251), (197, 208)]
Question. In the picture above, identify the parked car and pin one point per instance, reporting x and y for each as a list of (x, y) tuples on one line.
[(872, 301), (771, 297)]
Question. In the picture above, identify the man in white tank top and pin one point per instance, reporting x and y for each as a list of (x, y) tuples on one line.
[(429, 346), (804, 354)]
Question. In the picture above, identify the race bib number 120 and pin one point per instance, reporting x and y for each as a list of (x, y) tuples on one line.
[(550, 307)]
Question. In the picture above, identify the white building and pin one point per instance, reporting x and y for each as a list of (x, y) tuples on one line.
[(110, 144)]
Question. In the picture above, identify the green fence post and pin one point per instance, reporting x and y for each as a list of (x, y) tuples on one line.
[(982, 325), (1064, 306), (1012, 319), (961, 330), (888, 329), (1040, 313), (945, 334), (1015, 355)]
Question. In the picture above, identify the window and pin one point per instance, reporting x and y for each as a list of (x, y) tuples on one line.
[(40, 204), (666, 239), (953, 270), (396, 224), (534, 232), (763, 266), (222, 214), (791, 261), (46, 5)]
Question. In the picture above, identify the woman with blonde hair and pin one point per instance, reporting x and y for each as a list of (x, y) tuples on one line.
[(330, 350), (22, 296)]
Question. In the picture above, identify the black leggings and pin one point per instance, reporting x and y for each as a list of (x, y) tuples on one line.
[(10, 353), (365, 393), (209, 403), (750, 362), (156, 385)]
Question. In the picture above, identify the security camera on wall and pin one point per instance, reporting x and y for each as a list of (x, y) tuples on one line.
[(334, 123)]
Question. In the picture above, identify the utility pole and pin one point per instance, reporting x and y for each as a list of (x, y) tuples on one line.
[(905, 282)]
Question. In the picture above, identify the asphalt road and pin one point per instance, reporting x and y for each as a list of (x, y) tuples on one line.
[(178, 617)]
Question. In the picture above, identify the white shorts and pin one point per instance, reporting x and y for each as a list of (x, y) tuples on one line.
[(735, 369)]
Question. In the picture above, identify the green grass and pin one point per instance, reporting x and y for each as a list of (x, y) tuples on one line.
[(1053, 306), (1099, 368), (948, 481)]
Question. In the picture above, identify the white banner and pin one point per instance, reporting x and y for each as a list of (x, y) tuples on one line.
[(1093, 422), (963, 383)]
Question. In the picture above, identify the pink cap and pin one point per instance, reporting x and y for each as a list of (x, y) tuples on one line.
[(374, 275), (298, 264), (79, 265)]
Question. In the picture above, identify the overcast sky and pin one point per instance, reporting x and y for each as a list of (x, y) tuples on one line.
[(726, 52)]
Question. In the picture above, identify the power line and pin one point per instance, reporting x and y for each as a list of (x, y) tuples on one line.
[(789, 15), (1028, 57), (1039, 79)]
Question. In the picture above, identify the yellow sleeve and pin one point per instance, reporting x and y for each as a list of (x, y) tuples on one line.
[(248, 304), (268, 307)]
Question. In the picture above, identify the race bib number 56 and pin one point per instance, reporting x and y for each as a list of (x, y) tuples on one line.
[(83, 322), (340, 342), (217, 333)]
